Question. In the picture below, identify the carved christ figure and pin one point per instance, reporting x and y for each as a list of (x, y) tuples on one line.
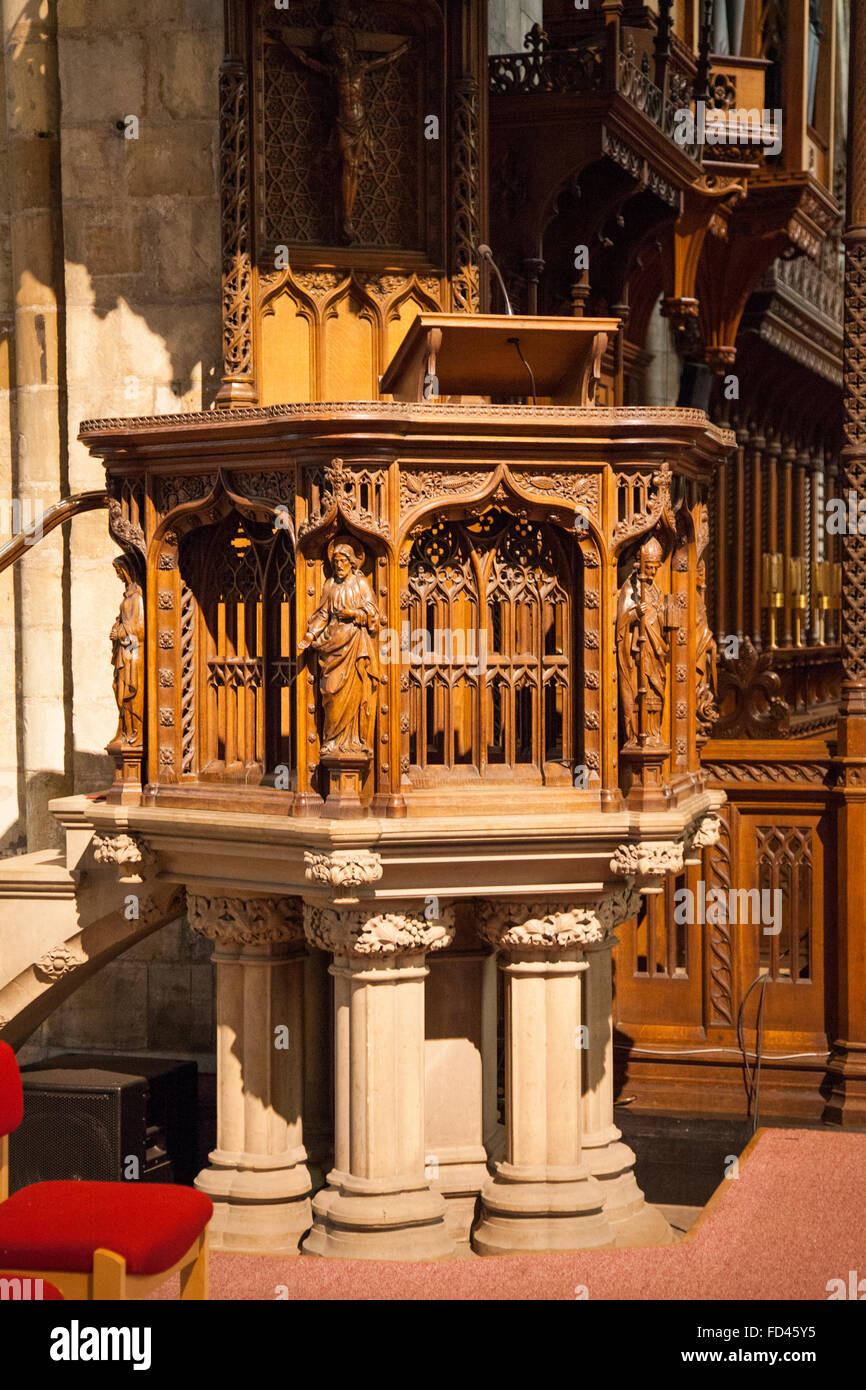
[(352, 137), (706, 658), (127, 654), (342, 632), (642, 649)]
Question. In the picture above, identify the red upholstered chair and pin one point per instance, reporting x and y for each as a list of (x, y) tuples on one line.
[(97, 1240)]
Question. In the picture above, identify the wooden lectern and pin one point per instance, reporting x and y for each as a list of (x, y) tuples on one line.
[(499, 355)]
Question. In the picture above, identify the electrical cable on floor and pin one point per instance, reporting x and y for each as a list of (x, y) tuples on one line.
[(753, 1089), (714, 1051)]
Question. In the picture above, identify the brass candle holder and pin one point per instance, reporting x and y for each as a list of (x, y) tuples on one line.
[(797, 594), (772, 592), (827, 594)]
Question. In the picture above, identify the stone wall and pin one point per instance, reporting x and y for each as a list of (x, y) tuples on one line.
[(508, 23), (109, 305), (156, 998), (133, 288)]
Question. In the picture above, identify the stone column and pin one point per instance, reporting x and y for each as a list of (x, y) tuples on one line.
[(542, 1196), (378, 1204), (257, 1178), (456, 1158), (39, 470), (606, 1157)]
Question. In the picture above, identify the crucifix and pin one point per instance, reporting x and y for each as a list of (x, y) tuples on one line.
[(339, 48)]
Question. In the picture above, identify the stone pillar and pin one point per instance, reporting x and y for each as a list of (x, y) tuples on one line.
[(40, 470), (606, 1157), (257, 1178), (378, 1204), (542, 1196), (318, 1069), (456, 1158)]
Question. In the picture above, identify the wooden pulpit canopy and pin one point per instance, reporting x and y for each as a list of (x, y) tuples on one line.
[(499, 355)]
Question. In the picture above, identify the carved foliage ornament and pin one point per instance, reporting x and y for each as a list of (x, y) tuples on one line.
[(648, 858), (58, 962), (244, 921), (361, 933), (554, 925), (122, 849), (343, 868)]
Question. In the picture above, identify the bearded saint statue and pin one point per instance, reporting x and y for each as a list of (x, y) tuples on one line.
[(642, 647), (342, 633)]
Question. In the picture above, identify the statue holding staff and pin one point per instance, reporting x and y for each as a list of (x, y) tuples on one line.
[(642, 649)]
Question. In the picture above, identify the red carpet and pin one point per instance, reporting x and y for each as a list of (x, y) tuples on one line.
[(794, 1219)]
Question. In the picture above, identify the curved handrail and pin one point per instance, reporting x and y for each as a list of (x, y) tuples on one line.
[(54, 516)]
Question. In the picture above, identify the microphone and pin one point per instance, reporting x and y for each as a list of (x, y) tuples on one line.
[(487, 255)]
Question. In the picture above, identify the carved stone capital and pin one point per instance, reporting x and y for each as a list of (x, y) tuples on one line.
[(123, 850), (358, 932), (343, 868), (648, 858), (556, 926), (245, 921), (150, 910)]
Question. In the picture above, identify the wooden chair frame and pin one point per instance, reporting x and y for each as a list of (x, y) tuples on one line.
[(108, 1279)]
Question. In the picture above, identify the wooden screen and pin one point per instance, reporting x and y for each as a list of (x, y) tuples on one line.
[(489, 688), (239, 670)]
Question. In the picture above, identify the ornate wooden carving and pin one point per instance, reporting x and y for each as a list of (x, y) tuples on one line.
[(466, 195), (505, 570), (342, 632), (230, 713), (340, 111), (128, 661), (720, 932), (495, 692), (235, 193), (352, 142), (750, 696), (127, 656), (784, 865), (642, 650)]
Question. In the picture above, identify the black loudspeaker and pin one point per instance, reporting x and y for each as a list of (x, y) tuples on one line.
[(106, 1119)]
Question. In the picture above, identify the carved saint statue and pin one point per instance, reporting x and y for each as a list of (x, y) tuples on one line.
[(127, 654), (706, 658), (342, 633), (642, 649), (352, 137)]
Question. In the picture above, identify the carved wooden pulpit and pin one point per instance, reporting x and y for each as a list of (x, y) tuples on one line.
[(425, 669)]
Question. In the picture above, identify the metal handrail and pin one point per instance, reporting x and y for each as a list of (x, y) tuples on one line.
[(54, 516)]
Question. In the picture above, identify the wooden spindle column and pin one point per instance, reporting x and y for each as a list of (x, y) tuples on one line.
[(847, 1069), (756, 448), (740, 550)]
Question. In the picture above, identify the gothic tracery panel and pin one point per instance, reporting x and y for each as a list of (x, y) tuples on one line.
[(238, 648), (490, 689)]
